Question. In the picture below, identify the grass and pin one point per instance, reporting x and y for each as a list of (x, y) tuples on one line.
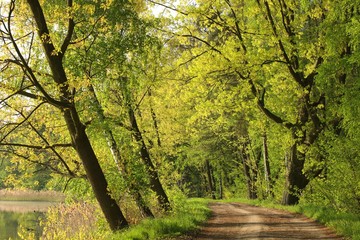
[(31, 195), (184, 220), (344, 224)]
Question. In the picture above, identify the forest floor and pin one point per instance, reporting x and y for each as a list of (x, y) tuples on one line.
[(242, 221)]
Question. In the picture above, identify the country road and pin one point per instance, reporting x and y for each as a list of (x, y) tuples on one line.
[(242, 221)]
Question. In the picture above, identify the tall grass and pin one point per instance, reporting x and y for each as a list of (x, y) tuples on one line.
[(184, 219), (346, 224), (31, 195), (80, 220), (76, 220)]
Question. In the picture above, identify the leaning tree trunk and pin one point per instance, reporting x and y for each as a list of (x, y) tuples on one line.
[(80, 140), (94, 173), (155, 183), (296, 180)]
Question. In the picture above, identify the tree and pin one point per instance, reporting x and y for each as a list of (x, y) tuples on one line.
[(268, 47), (117, 78), (115, 152), (47, 82), (338, 77)]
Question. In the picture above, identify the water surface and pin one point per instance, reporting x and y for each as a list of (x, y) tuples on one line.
[(21, 218)]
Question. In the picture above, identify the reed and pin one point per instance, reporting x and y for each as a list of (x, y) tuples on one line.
[(31, 195)]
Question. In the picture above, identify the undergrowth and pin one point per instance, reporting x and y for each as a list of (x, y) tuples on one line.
[(184, 219), (188, 215), (345, 224), (80, 220)]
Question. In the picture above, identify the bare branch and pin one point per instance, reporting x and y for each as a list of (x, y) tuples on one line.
[(62, 145), (23, 121), (47, 164), (24, 93), (193, 58), (52, 148), (203, 41), (169, 7), (296, 75)]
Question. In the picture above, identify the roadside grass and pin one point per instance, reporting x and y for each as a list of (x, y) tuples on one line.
[(184, 219), (344, 224), (31, 195)]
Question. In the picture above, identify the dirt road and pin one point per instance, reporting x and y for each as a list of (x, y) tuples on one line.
[(241, 221)]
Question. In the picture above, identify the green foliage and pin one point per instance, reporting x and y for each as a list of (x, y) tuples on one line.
[(338, 185), (16, 225)]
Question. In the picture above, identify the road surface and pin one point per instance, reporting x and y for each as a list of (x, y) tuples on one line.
[(242, 221)]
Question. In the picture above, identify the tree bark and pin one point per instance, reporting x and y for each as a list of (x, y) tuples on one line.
[(221, 193), (296, 180), (155, 121), (267, 167)]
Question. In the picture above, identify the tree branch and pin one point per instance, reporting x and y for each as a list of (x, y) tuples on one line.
[(44, 164), (24, 63), (237, 27), (52, 147), (297, 76), (267, 112), (70, 31), (26, 118), (62, 145), (168, 7)]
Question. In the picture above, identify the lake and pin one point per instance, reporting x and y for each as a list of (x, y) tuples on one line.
[(21, 217)]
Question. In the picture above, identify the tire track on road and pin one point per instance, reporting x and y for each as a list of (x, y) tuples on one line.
[(242, 221)]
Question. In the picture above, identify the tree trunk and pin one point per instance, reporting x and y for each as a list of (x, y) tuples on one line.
[(115, 152), (296, 181), (210, 181), (269, 191), (145, 156), (221, 194), (155, 121), (251, 187), (94, 173)]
